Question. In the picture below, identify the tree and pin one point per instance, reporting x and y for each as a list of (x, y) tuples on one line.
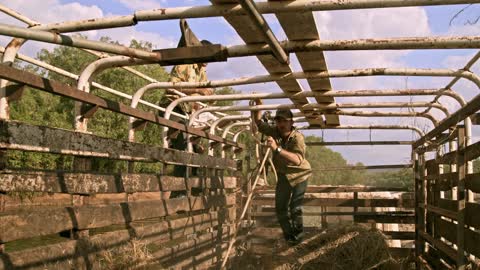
[(40, 108)]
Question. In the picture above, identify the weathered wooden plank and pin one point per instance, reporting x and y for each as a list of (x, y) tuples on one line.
[(449, 251), (451, 205), (187, 254), (472, 214), (400, 235), (472, 151), (357, 217), (25, 224), (460, 192), (72, 253), (94, 183), (406, 203), (446, 181), (57, 88), (447, 158), (448, 230), (337, 189), (472, 182), (442, 211), (392, 219), (21, 136)]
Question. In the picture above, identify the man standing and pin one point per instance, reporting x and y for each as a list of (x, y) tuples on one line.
[(293, 170), (185, 73)]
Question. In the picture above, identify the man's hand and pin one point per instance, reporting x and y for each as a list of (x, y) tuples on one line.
[(258, 101), (272, 143), (256, 115), (205, 91)]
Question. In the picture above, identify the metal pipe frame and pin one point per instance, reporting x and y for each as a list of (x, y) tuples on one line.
[(337, 73), (61, 39), (14, 14), (75, 77), (461, 42), (251, 9), (330, 74), (83, 83), (418, 43), (359, 143), (337, 93), (291, 106), (267, 7), (468, 66), (417, 130), (11, 51), (224, 135), (235, 138), (284, 6), (236, 9), (316, 106)]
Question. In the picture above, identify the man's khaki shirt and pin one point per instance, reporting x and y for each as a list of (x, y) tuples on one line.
[(184, 73), (295, 143)]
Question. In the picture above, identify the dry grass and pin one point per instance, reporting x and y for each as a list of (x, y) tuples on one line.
[(126, 257), (345, 247)]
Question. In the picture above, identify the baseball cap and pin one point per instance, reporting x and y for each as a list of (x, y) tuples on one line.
[(284, 114)]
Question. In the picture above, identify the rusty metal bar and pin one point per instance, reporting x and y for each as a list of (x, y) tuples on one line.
[(204, 54), (285, 6), (57, 88), (274, 46), (236, 9), (351, 143), (321, 107), (324, 107), (326, 74), (216, 53), (472, 107), (289, 46), (54, 38), (17, 15), (419, 132), (371, 167)]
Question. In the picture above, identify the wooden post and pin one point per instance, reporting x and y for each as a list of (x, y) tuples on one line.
[(461, 172), (419, 203), (323, 210), (355, 205)]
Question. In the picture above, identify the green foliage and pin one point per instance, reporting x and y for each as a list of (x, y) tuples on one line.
[(321, 157), (40, 108)]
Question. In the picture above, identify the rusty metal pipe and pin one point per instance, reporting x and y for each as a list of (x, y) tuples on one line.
[(285, 6), (274, 46)]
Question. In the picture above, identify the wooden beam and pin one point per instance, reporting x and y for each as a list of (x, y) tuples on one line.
[(336, 189), (336, 202), (61, 255), (95, 183), (57, 88), (30, 223), (21, 136)]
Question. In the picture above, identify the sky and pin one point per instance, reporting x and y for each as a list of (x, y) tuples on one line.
[(332, 25)]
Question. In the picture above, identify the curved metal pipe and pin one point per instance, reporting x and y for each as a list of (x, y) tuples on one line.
[(336, 73), (235, 139), (419, 132), (292, 106)]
